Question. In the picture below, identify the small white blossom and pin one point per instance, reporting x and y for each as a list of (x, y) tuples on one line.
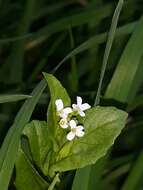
[(63, 123), (79, 107), (61, 111), (76, 130)]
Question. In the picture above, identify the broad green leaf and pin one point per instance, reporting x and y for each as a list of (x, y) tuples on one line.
[(102, 126), (13, 98), (27, 177), (10, 145), (36, 153), (57, 91), (130, 67), (40, 144)]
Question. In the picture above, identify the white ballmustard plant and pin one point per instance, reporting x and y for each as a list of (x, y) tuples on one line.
[(76, 130), (61, 111), (68, 117), (79, 108)]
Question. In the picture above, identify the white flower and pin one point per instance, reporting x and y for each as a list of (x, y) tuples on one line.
[(79, 107), (76, 130), (63, 123), (61, 111)]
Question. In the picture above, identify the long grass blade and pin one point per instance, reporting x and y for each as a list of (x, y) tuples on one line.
[(10, 145), (127, 77), (107, 52), (84, 176), (77, 19), (108, 48), (135, 174), (73, 76), (17, 54), (13, 98), (98, 39)]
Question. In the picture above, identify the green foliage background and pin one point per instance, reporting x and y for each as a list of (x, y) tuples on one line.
[(35, 37)]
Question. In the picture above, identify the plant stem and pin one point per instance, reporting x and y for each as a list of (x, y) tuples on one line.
[(55, 180)]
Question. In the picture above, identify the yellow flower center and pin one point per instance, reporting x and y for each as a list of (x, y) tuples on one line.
[(63, 122), (73, 130)]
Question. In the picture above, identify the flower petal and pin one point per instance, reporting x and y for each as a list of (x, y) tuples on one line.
[(70, 136), (72, 123), (65, 126), (80, 127), (85, 106), (67, 110), (63, 115), (79, 131), (74, 106), (79, 100), (59, 104), (82, 114)]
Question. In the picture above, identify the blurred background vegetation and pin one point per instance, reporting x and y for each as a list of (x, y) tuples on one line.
[(37, 35)]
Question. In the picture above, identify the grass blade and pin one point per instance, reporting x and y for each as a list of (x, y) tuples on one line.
[(90, 177), (80, 174), (77, 19), (130, 67), (10, 145), (73, 76), (135, 174), (98, 39), (43, 62), (13, 98), (17, 54), (108, 48)]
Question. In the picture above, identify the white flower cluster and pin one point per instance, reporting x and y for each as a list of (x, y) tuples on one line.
[(68, 117)]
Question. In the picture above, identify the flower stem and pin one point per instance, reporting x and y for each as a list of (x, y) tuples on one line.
[(55, 180)]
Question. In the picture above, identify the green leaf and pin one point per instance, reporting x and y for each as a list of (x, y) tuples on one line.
[(11, 142), (13, 98), (36, 151), (57, 91), (102, 126), (29, 178), (40, 144)]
